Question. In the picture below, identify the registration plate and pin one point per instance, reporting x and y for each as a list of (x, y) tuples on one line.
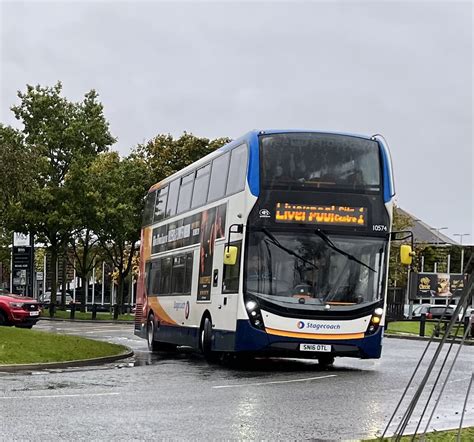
[(34, 313), (315, 347)]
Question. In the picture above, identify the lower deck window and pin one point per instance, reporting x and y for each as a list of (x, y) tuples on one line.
[(171, 275)]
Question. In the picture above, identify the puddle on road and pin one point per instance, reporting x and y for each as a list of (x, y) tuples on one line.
[(238, 366), (48, 386)]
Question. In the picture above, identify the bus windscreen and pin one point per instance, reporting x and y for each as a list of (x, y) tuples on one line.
[(319, 160), (295, 267)]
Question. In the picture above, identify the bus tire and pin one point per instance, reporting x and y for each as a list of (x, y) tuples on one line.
[(154, 345), (325, 361), (206, 340), (150, 333)]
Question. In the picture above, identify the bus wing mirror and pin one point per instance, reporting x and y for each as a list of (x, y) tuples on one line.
[(406, 254), (230, 255)]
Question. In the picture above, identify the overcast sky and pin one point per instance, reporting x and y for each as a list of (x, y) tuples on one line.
[(402, 69)]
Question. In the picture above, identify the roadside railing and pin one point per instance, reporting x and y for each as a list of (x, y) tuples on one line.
[(441, 325), (56, 310)]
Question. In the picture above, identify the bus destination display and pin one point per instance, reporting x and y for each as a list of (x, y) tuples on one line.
[(321, 214)]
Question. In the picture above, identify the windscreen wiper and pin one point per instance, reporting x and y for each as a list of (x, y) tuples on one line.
[(277, 243), (326, 239)]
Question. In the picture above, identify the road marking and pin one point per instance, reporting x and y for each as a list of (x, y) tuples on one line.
[(275, 382), (58, 395)]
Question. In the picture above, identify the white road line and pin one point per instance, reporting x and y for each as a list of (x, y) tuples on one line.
[(276, 382), (58, 395)]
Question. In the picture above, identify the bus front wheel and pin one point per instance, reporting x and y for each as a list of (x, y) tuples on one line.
[(325, 361)]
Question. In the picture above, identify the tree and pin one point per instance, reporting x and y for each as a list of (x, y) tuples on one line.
[(120, 186), (397, 271), (82, 207), (56, 132), (164, 155), (16, 162)]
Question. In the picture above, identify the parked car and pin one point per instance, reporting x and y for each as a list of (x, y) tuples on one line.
[(20, 311), (466, 314), (45, 299), (433, 311)]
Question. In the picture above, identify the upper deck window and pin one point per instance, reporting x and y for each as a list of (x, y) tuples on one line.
[(172, 198), (148, 212), (160, 204), (238, 167), (220, 166), (313, 160), (185, 192), (201, 185)]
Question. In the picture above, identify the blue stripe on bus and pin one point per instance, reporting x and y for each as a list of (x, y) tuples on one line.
[(312, 131), (388, 190), (253, 175)]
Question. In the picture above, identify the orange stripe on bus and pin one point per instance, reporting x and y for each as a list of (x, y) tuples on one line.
[(146, 246), (272, 331), (160, 312)]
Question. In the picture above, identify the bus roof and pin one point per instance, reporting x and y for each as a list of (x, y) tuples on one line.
[(251, 138)]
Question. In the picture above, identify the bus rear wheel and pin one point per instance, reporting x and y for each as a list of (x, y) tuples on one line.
[(150, 335), (206, 341)]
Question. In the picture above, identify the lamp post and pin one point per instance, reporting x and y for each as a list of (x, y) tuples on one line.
[(462, 248), (460, 236), (437, 229)]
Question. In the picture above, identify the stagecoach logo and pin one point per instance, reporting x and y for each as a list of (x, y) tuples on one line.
[(264, 213), (186, 310), (179, 306), (318, 325)]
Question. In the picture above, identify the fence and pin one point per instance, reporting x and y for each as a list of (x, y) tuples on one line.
[(395, 303)]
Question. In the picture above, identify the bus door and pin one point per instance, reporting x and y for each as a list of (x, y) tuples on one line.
[(212, 229)]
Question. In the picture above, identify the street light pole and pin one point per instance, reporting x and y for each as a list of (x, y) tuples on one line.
[(461, 236), (462, 248)]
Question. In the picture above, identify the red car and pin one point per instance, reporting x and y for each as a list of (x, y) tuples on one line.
[(18, 310)]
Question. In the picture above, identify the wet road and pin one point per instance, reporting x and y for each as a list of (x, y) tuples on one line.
[(181, 396)]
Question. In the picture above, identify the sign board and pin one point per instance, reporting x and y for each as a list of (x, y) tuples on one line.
[(21, 240), (39, 276), (436, 285), (321, 214), (22, 269)]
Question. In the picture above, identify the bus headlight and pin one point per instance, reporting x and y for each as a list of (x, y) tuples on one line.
[(251, 306), (255, 315)]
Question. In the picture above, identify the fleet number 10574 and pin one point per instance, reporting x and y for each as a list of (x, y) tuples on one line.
[(379, 228)]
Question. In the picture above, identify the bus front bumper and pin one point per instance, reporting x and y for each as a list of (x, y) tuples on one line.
[(252, 340)]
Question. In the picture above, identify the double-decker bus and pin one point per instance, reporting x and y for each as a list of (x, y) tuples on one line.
[(275, 244)]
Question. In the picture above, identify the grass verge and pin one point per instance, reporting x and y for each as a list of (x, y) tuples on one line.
[(413, 328), (21, 346), (101, 316), (467, 434)]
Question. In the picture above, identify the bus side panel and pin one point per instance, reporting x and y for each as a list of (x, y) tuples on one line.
[(179, 316)]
